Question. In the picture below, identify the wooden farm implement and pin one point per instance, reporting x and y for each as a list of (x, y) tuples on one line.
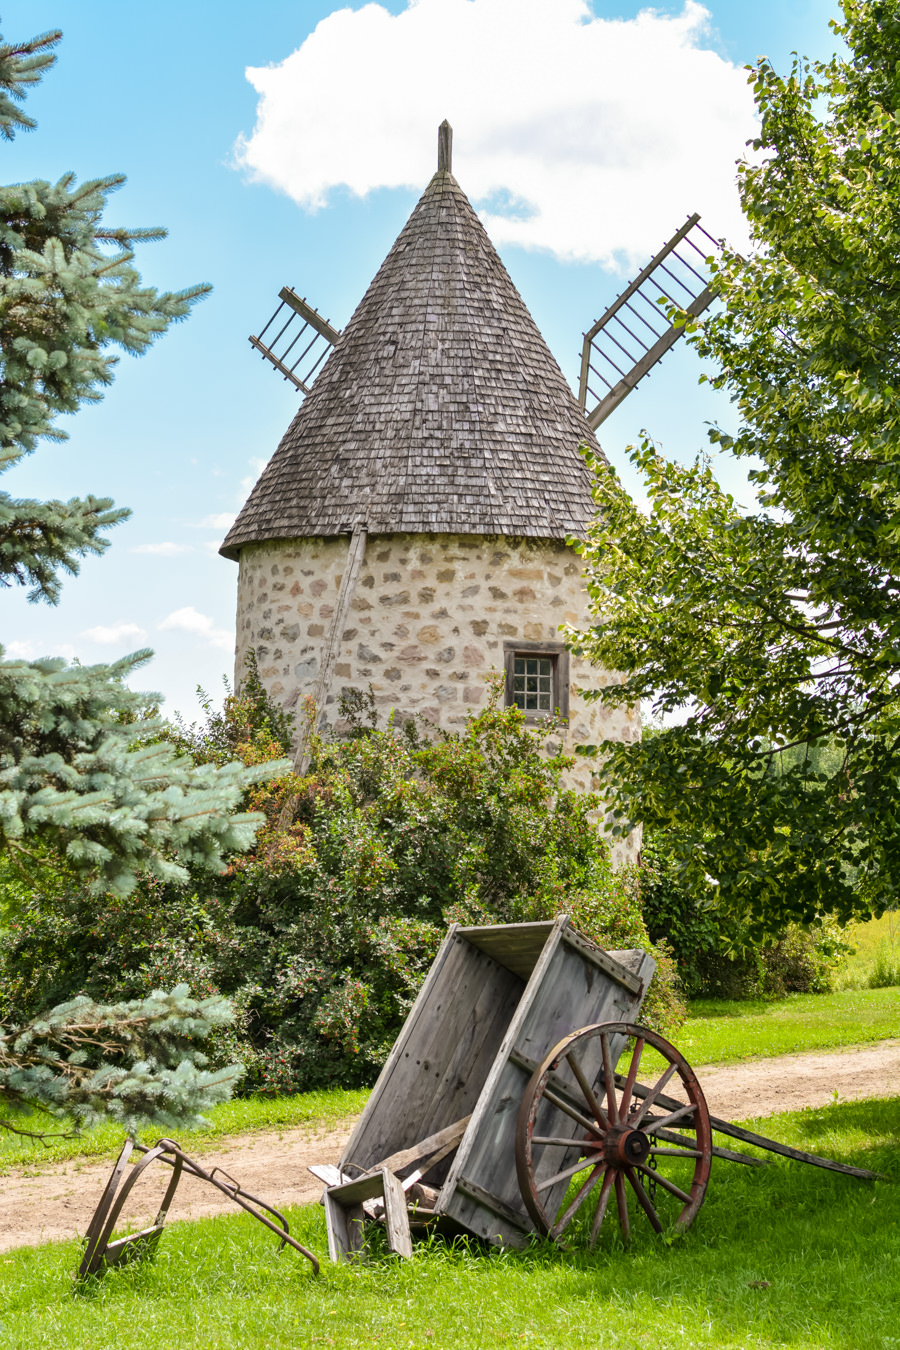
[(500, 1112), (101, 1250)]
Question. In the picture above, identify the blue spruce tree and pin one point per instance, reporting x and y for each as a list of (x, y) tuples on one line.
[(85, 777)]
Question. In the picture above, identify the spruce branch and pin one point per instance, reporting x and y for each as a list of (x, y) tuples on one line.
[(138, 1061), (22, 65)]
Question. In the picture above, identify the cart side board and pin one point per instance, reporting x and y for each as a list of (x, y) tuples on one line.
[(568, 988), (442, 1057)]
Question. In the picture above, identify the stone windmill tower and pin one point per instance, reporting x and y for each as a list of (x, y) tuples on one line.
[(409, 533)]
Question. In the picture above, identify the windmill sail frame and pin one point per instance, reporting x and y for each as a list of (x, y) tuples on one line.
[(607, 346), (298, 309)]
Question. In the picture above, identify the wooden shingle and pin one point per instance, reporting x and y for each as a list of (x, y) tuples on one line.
[(439, 410)]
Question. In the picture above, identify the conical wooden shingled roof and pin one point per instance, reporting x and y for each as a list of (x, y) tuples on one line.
[(440, 409)]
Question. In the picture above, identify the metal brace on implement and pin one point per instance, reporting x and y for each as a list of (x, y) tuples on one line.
[(100, 1253)]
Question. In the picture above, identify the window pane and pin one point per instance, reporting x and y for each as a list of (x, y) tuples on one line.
[(532, 682)]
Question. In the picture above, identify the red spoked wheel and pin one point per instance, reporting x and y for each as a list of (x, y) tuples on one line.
[(585, 1132)]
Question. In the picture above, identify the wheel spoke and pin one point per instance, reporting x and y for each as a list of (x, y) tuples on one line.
[(643, 1198), (565, 1143), (583, 1193), (632, 1076), (605, 1193), (652, 1095), (653, 1125), (570, 1110), (664, 1182), (610, 1080), (566, 1172), (677, 1152), (588, 1091), (622, 1205)]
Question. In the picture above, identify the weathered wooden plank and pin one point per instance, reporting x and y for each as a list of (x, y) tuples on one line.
[(456, 1204), (798, 1155), (516, 1218), (455, 1059), (669, 1137), (332, 1176), (517, 946), (476, 1049), (362, 1188), (435, 1143), (441, 1059), (605, 962), (425, 995), (396, 1217), (344, 1224)]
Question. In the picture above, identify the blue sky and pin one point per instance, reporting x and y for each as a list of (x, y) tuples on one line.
[(315, 198)]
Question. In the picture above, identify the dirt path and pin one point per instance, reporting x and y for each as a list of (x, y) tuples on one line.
[(42, 1204)]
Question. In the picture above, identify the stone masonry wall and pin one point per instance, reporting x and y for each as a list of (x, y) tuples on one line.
[(426, 625)]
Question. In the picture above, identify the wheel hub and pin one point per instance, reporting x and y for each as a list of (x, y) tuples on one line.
[(626, 1148)]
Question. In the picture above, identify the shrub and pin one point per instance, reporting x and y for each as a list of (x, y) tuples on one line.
[(322, 936), (711, 951)]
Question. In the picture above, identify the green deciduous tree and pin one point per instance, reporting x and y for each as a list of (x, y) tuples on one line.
[(774, 631), (85, 774)]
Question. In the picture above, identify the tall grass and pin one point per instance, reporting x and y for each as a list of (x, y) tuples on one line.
[(885, 972), (875, 963)]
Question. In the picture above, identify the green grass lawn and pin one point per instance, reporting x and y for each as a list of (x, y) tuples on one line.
[(783, 1256), (720, 1032), (317, 1110)]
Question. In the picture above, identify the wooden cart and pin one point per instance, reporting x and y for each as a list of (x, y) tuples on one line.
[(499, 1112)]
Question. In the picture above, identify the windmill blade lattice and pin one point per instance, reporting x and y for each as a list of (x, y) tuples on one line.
[(635, 332), (305, 339)]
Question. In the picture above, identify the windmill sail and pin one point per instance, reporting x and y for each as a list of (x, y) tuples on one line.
[(305, 336), (635, 332)]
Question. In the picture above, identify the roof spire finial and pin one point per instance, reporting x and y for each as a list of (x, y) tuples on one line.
[(445, 147)]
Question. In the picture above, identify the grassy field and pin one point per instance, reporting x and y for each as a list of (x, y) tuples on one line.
[(318, 1110), (786, 1256), (725, 1033)]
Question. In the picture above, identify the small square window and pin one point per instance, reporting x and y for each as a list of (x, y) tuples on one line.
[(537, 678)]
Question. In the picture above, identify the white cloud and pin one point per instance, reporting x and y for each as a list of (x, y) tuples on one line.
[(26, 650), (190, 620), (115, 634), (592, 138), (163, 550), (221, 520)]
